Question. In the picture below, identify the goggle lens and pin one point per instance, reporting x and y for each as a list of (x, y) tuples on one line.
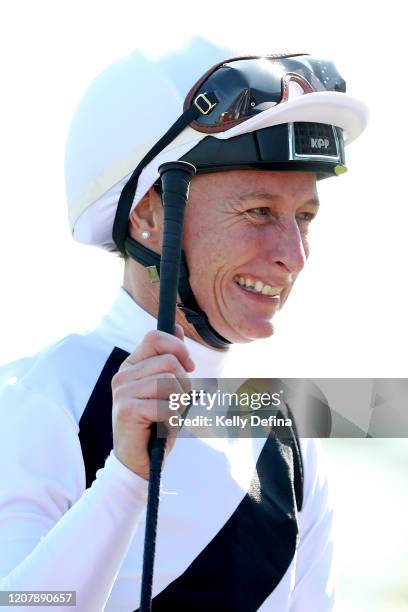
[(247, 87)]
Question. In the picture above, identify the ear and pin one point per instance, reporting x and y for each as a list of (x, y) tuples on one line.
[(148, 215)]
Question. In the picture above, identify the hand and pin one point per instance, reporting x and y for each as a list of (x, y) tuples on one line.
[(139, 401)]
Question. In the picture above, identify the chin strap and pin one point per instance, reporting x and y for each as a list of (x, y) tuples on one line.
[(151, 260)]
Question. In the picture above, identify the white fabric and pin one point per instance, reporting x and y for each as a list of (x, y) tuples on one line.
[(57, 535), (131, 104)]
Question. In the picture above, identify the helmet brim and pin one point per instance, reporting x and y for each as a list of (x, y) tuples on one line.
[(329, 107)]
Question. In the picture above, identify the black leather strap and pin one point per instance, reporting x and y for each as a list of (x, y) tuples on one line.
[(194, 314), (142, 254), (189, 306)]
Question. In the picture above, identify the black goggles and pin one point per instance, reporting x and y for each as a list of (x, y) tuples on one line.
[(242, 87), (233, 91)]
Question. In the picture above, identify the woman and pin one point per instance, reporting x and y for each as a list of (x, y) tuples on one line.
[(245, 523)]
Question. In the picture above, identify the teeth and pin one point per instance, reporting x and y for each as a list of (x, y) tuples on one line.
[(257, 286)]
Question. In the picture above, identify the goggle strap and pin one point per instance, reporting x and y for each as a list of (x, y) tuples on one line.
[(120, 224)]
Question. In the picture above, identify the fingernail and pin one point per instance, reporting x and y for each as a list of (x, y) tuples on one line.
[(190, 364)]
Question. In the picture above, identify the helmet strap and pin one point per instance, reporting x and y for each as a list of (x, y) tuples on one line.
[(194, 315)]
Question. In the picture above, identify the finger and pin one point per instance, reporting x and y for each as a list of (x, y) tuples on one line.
[(158, 343), (132, 429), (179, 331), (158, 386), (142, 413), (156, 365)]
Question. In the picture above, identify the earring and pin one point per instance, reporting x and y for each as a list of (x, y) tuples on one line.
[(145, 234)]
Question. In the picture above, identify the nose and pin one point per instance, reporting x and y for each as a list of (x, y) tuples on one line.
[(286, 249)]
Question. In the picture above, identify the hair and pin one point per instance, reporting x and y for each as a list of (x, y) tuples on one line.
[(120, 255)]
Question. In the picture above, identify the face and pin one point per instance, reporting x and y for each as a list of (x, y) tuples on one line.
[(246, 241)]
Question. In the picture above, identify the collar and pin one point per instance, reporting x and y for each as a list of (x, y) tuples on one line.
[(127, 323)]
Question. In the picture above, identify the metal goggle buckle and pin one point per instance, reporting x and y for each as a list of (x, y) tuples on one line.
[(210, 105)]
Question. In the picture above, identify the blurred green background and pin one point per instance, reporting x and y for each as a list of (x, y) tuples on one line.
[(369, 484)]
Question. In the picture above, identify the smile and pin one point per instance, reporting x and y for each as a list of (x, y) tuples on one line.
[(257, 286)]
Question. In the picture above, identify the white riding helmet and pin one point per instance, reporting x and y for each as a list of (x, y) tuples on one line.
[(132, 103)]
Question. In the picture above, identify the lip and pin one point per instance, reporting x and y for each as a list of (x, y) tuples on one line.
[(259, 297)]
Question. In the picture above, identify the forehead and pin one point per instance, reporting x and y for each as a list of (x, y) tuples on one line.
[(245, 185)]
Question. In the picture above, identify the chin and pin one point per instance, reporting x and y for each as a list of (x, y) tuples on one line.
[(249, 333)]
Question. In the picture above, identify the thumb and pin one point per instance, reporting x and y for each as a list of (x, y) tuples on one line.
[(179, 331)]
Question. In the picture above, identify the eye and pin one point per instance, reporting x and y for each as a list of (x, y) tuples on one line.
[(305, 217), (260, 215), (260, 211)]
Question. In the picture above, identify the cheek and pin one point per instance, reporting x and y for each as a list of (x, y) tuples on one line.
[(214, 241), (202, 248), (200, 237)]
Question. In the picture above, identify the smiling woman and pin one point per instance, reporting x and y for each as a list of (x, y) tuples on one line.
[(256, 130)]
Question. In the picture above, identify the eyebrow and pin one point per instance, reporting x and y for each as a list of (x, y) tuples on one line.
[(272, 197)]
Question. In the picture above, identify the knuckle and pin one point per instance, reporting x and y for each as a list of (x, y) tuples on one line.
[(131, 360), (151, 336), (171, 382), (171, 363), (125, 409), (117, 392), (118, 378)]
